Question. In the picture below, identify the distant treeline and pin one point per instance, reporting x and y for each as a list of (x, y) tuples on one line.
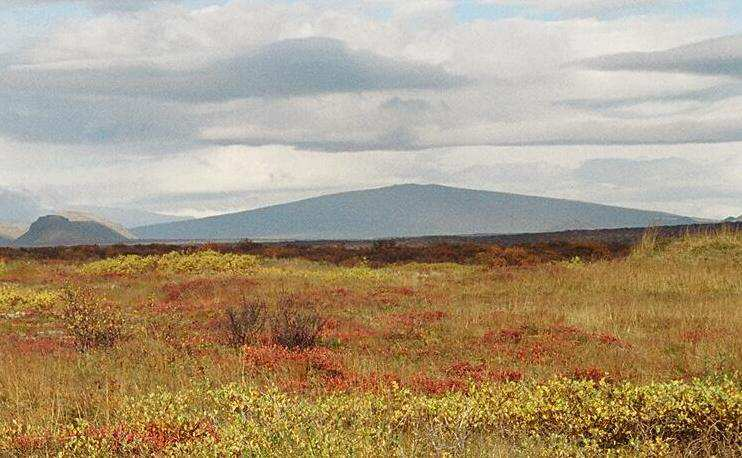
[(519, 249)]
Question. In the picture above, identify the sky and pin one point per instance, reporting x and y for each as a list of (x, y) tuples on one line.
[(203, 107)]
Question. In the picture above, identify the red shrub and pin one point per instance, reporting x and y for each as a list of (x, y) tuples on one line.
[(424, 384), (591, 373), (274, 357)]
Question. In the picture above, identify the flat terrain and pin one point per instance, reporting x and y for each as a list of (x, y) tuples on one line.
[(521, 350)]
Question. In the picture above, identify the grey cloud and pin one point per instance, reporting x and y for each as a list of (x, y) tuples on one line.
[(581, 133), (634, 133), (407, 105), (720, 56), (399, 139), (18, 206), (289, 68), (92, 119), (706, 95)]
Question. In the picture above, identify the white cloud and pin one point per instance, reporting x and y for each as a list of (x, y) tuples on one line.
[(95, 5), (583, 7)]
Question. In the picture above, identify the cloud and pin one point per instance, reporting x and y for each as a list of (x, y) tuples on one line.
[(662, 181), (631, 172), (407, 106), (691, 99), (287, 68), (718, 57), (337, 79), (49, 118), (18, 206), (95, 5), (582, 7)]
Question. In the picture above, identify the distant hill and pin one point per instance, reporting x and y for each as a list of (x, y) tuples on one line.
[(409, 211), (129, 217), (53, 230), (732, 219)]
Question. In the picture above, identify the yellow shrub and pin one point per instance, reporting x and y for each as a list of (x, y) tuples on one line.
[(16, 299), (573, 414), (174, 262)]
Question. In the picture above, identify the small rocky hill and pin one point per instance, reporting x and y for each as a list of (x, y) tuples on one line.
[(55, 230)]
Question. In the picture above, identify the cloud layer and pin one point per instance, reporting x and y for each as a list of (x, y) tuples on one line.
[(251, 91)]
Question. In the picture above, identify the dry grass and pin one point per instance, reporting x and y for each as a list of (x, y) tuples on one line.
[(670, 311)]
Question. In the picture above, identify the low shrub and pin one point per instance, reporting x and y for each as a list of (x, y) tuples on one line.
[(586, 418), (244, 324), (173, 262), (295, 325), (17, 299), (90, 320)]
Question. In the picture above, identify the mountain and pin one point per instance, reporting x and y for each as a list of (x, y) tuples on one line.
[(129, 217), (407, 211), (732, 219), (80, 216), (53, 230)]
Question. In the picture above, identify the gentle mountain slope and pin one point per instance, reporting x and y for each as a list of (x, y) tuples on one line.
[(409, 210), (55, 230)]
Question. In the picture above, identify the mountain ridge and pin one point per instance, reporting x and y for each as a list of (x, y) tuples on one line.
[(409, 210)]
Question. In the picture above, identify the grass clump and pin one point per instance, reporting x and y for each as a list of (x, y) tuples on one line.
[(722, 244)]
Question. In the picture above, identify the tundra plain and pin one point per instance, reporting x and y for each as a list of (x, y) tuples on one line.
[(506, 351)]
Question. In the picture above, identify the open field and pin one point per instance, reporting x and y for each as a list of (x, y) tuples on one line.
[(564, 349)]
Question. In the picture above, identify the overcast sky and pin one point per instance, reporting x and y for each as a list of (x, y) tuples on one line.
[(202, 107)]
